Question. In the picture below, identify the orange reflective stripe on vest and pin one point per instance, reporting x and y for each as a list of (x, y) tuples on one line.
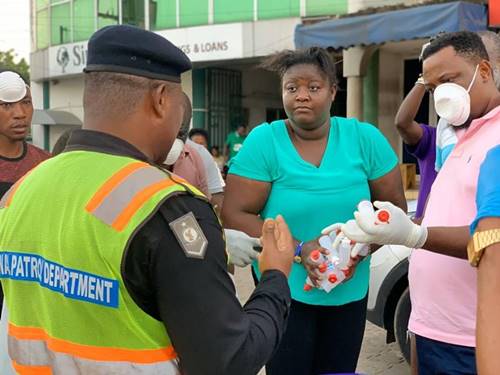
[(120, 197), (33, 348), (31, 370)]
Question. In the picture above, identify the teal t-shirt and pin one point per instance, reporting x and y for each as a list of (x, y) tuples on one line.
[(234, 141), (310, 197)]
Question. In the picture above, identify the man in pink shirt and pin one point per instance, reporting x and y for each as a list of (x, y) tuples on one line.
[(442, 283), (190, 167), (183, 159)]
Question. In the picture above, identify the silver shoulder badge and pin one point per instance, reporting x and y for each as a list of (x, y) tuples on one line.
[(190, 236)]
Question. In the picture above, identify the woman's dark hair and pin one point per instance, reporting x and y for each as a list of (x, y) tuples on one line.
[(198, 131), (280, 62)]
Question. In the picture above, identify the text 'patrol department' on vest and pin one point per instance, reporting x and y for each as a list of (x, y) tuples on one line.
[(69, 282)]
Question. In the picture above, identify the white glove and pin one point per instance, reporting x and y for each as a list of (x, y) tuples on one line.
[(388, 225), (340, 240), (239, 246)]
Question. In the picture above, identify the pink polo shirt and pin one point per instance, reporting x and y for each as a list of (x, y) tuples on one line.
[(190, 167), (443, 289)]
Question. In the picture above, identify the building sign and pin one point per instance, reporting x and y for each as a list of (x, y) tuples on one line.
[(67, 59), (494, 13), (203, 43), (208, 43)]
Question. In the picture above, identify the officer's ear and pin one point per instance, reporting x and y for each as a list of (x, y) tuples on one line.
[(159, 99)]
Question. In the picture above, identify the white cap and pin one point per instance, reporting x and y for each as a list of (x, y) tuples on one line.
[(12, 87)]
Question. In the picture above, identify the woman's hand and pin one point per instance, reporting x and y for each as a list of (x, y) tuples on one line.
[(357, 251), (311, 267)]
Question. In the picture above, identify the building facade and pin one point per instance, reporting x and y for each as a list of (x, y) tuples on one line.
[(226, 40)]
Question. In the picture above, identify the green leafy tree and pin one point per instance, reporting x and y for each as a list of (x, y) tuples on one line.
[(7, 63)]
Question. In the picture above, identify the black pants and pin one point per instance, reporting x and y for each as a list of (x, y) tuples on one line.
[(320, 340)]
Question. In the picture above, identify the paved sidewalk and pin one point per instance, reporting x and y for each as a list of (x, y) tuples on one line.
[(377, 358)]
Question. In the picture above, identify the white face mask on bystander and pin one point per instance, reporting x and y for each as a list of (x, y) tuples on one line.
[(452, 101), (174, 152)]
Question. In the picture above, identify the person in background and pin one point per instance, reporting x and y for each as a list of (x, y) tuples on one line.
[(183, 159), (484, 251), (419, 140), (17, 157), (199, 136), (234, 142), (443, 289), (312, 169), (219, 159), (215, 181), (16, 111)]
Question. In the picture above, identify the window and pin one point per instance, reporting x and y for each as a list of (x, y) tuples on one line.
[(269, 9), (107, 13), (193, 12), (40, 4), (133, 13), (61, 24), (83, 19), (232, 11), (42, 29), (322, 7), (162, 14)]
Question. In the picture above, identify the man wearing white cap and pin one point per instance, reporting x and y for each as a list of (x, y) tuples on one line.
[(16, 110)]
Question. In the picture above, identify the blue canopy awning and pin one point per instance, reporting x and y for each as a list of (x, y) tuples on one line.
[(394, 26)]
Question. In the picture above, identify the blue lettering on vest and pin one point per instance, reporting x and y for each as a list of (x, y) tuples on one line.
[(70, 282)]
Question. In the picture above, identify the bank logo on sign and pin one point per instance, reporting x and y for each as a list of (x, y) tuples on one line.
[(63, 58)]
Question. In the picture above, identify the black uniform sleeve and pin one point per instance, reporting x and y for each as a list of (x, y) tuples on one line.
[(195, 298)]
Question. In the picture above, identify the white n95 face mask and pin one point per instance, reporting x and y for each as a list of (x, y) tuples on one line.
[(12, 87), (174, 152), (452, 101)]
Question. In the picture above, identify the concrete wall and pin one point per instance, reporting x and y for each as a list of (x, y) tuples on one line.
[(260, 90), (37, 97), (265, 37), (67, 95), (390, 95)]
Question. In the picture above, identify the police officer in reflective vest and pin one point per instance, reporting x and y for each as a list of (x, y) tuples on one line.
[(111, 265)]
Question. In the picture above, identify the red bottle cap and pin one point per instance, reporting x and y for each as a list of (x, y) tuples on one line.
[(322, 267), (383, 216), (315, 254), (332, 278), (307, 287)]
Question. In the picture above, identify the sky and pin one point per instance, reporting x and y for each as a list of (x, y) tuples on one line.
[(15, 27)]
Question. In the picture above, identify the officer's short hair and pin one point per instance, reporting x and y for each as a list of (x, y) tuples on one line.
[(115, 94)]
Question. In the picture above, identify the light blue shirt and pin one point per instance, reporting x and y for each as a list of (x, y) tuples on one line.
[(488, 187), (310, 197)]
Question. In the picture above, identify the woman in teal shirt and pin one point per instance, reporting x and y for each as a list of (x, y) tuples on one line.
[(313, 170)]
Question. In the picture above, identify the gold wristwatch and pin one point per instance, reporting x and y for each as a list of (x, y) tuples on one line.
[(479, 242)]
